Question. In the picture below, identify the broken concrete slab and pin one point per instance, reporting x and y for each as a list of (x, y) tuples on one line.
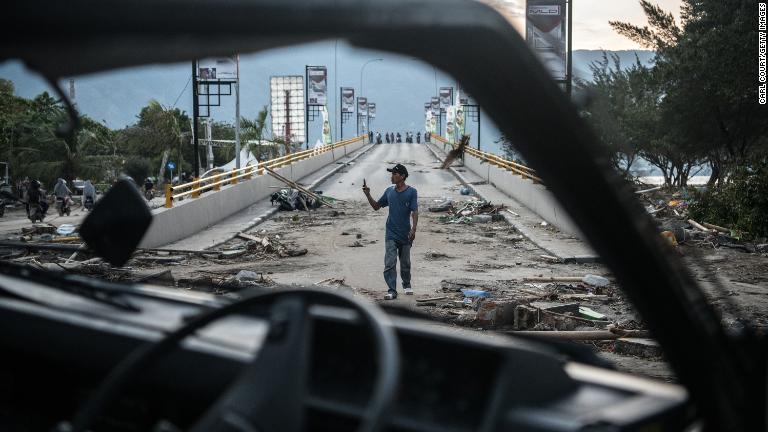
[(638, 347)]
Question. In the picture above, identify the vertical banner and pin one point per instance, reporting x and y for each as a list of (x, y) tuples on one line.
[(460, 121), (450, 118), (446, 98), (372, 110), (317, 85), (545, 34), (326, 126), (347, 100), (435, 104), (362, 107)]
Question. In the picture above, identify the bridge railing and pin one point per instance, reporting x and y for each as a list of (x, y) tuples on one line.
[(196, 187), (519, 169)]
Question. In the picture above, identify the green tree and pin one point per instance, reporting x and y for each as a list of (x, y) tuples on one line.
[(705, 69), (157, 133), (256, 130)]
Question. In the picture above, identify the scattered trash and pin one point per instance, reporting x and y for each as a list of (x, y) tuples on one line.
[(232, 253), (544, 223), (338, 282), (588, 313), (464, 212), (65, 229), (247, 275), (475, 293), (39, 228), (670, 237), (465, 190), (356, 244), (481, 218), (291, 199)]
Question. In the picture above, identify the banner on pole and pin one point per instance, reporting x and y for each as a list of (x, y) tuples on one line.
[(347, 100), (362, 107), (450, 118), (317, 85), (371, 110), (446, 97), (435, 104), (326, 126), (545, 34)]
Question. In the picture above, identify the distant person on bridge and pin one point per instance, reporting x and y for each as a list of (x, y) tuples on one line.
[(370, 136), (418, 137), (386, 137), (399, 138), (403, 204)]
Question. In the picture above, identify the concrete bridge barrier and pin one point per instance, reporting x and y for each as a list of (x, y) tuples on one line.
[(520, 183), (192, 215)]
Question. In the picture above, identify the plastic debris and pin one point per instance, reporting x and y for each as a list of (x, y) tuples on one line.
[(65, 229), (475, 293)]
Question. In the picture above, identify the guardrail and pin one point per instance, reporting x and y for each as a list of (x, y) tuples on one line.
[(196, 187), (521, 170)]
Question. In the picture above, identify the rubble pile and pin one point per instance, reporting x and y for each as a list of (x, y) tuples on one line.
[(467, 212), (291, 199), (671, 212)]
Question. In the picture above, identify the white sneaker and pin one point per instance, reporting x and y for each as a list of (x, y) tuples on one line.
[(390, 296), (408, 291)]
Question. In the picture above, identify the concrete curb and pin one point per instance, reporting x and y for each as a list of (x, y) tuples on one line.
[(271, 212), (510, 220)]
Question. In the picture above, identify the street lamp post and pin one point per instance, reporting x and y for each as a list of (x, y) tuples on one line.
[(362, 68)]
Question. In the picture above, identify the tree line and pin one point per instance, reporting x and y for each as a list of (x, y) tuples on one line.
[(696, 105), (29, 142)]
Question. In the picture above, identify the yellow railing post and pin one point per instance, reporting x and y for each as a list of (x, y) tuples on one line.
[(196, 188), (248, 172), (234, 177), (168, 196)]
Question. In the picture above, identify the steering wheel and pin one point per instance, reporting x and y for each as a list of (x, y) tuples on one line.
[(269, 393)]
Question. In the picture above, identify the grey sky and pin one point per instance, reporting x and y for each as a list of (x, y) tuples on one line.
[(590, 20)]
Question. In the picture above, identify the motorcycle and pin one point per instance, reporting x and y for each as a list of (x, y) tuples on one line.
[(37, 211), (149, 194), (88, 203), (63, 205)]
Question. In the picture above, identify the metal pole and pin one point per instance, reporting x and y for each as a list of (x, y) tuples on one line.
[(569, 82), (478, 127), (341, 117), (335, 82), (287, 122), (306, 106), (237, 115), (195, 115)]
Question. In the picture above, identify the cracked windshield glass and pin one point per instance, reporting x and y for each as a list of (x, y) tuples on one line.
[(379, 175)]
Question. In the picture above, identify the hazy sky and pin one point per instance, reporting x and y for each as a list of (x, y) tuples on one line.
[(590, 21)]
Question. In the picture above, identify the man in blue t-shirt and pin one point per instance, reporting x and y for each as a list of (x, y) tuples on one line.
[(402, 201)]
